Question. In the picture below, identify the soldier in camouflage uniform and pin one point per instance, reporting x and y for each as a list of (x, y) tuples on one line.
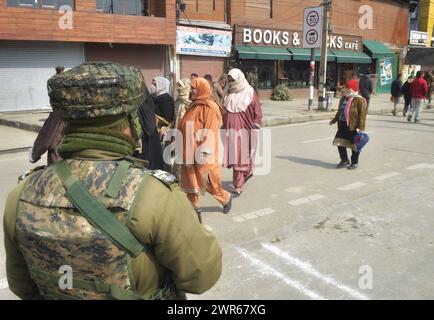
[(124, 231)]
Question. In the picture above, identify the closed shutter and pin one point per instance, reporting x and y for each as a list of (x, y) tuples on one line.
[(25, 67), (202, 66)]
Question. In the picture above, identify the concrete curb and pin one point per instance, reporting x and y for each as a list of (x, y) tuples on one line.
[(20, 125), (268, 121)]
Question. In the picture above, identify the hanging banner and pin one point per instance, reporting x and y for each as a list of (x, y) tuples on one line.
[(203, 42), (386, 71)]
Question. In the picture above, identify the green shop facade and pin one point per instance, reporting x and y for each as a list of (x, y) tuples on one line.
[(277, 56)]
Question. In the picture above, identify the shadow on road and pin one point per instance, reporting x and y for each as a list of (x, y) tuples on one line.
[(309, 162)]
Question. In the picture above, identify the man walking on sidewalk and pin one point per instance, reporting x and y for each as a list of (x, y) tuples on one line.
[(430, 81), (365, 88), (419, 90), (396, 93), (406, 92)]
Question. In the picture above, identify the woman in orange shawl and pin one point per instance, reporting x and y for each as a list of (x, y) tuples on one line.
[(200, 131)]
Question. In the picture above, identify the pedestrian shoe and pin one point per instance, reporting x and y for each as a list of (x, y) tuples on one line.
[(227, 207), (236, 194), (353, 166), (247, 179), (416, 121), (409, 119), (343, 164), (199, 214)]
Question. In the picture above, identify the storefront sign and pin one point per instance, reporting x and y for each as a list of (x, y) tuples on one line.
[(386, 71), (419, 38), (291, 39), (203, 42)]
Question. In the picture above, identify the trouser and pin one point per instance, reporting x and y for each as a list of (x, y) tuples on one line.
[(396, 102), (407, 105), (344, 155), (416, 105), (239, 178), (215, 189), (368, 101), (429, 94)]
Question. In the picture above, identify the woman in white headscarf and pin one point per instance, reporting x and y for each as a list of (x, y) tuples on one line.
[(242, 120), (165, 108)]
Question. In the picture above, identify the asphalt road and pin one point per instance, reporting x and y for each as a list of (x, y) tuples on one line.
[(309, 231)]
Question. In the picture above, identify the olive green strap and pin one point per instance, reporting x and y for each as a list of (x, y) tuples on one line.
[(119, 176), (96, 213), (115, 292)]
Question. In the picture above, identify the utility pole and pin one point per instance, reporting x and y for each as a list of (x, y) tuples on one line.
[(311, 78), (327, 4)]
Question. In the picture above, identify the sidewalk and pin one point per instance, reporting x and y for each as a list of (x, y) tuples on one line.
[(275, 113)]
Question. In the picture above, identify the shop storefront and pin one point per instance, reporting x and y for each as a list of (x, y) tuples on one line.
[(202, 50), (277, 56), (150, 59), (384, 64)]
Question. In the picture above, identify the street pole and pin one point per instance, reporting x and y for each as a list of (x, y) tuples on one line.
[(323, 63), (311, 78)]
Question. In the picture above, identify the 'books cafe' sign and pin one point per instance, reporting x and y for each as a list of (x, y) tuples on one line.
[(252, 36)]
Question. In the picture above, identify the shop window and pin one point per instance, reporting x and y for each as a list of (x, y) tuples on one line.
[(40, 4), (297, 73), (264, 69), (132, 7)]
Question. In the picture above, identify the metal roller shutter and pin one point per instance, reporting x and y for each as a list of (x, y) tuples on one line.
[(25, 67), (202, 66)]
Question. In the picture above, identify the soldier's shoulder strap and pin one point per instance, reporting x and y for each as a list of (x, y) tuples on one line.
[(95, 212)]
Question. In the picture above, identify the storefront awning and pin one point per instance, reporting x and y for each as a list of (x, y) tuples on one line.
[(343, 56), (377, 49), (304, 54), (263, 53)]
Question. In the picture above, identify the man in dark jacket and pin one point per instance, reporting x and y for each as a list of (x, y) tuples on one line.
[(365, 88), (396, 93), (406, 92), (430, 80)]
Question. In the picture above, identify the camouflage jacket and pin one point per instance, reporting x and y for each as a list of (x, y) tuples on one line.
[(43, 232)]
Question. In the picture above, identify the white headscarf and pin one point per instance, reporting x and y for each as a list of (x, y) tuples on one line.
[(240, 93), (163, 86)]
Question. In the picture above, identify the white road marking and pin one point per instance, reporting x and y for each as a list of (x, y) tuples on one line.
[(420, 166), (315, 197), (307, 268), (305, 200), (253, 215), (387, 176), (299, 202), (3, 284), (352, 186), (264, 212), (249, 216), (268, 270), (238, 219)]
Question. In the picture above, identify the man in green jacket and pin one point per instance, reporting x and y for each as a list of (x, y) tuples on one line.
[(98, 225)]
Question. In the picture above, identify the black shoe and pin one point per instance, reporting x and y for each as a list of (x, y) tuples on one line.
[(416, 121), (409, 119), (248, 178), (236, 194), (227, 207), (353, 166), (343, 164), (199, 214)]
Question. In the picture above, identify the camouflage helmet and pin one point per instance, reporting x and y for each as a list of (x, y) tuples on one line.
[(95, 90)]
